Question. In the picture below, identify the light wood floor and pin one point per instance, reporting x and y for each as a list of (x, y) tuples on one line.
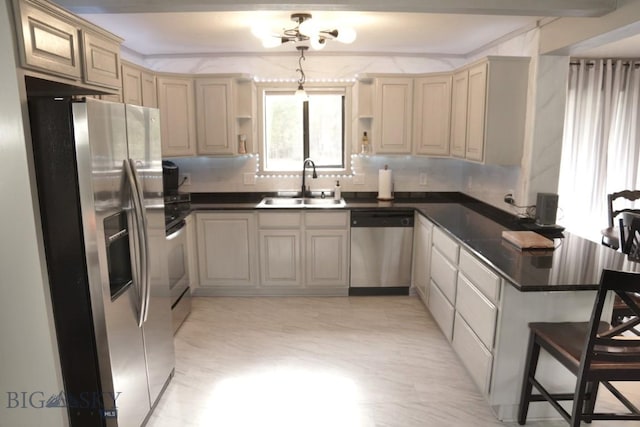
[(325, 362)]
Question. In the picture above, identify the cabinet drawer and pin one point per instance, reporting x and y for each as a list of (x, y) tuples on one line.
[(279, 220), (444, 274), (483, 278), (447, 246), (326, 219), (476, 310), (441, 310), (473, 355)]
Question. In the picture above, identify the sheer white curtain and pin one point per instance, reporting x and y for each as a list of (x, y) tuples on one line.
[(601, 145)]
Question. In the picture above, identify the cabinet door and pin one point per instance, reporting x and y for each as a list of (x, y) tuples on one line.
[(392, 117), (49, 43), (432, 112), (101, 60), (215, 116), (327, 258), (131, 85), (459, 92), (422, 256), (177, 119), (476, 112), (226, 249), (148, 89), (280, 262)]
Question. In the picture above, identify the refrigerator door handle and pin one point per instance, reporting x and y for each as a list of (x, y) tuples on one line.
[(139, 240), (145, 243)]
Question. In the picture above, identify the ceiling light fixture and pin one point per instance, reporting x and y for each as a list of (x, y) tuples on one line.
[(308, 29), (301, 94)]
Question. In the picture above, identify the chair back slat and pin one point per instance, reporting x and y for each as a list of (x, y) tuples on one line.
[(630, 195), (611, 345)]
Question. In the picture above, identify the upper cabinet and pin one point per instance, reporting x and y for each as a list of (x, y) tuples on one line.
[(392, 115), (206, 116), (177, 116), (215, 110), (496, 107), (55, 43), (459, 96), (431, 115), (138, 86)]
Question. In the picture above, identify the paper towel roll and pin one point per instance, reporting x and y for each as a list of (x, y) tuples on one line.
[(384, 184)]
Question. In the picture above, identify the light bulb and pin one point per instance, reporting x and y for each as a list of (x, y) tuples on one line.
[(317, 43), (301, 94), (346, 35), (309, 28)]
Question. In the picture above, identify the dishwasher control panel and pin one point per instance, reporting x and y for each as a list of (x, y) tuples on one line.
[(382, 218)]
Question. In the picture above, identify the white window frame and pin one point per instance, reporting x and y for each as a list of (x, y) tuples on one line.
[(345, 89)]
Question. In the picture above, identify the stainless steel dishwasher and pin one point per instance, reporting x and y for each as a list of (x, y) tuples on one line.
[(381, 251)]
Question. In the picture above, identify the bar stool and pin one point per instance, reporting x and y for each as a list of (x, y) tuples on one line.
[(594, 351)]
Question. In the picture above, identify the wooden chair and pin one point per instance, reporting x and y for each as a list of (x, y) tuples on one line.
[(610, 234), (594, 351)]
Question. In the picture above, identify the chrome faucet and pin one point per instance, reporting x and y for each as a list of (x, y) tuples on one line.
[(314, 175)]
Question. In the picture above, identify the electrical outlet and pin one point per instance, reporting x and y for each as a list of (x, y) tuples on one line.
[(423, 178), (186, 179)]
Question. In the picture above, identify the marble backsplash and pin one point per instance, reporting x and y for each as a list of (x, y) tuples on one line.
[(410, 173)]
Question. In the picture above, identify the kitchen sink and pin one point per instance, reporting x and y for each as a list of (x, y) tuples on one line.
[(298, 202)]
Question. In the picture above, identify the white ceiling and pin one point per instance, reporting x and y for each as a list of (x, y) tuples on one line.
[(412, 27), (216, 32)]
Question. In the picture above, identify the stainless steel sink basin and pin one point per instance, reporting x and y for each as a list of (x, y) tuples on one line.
[(298, 202)]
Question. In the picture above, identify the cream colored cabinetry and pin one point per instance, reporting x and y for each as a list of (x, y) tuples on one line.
[(138, 86), (280, 249), (442, 286), (459, 95), (177, 116), (477, 296), (365, 99), (327, 249), (496, 98), (227, 250), (214, 109), (56, 43), (431, 115), (392, 115), (307, 250), (101, 62), (464, 298), (422, 233)]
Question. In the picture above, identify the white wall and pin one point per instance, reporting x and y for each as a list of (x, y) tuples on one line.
[(28, 352)]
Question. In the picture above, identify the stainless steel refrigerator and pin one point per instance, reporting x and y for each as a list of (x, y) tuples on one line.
[(99, 178)]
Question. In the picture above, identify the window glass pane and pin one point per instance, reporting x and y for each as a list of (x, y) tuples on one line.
[(284, 148), (284, 131), (325, 130)]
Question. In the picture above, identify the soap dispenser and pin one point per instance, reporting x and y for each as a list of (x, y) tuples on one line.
[(337, 192)]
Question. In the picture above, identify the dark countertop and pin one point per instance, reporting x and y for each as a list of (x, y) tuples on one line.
[(575, 263)]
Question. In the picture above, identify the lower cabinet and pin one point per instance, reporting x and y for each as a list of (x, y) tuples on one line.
[(226, 249), (422, 256), (290, 252), (280, 250), (327, 249)]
